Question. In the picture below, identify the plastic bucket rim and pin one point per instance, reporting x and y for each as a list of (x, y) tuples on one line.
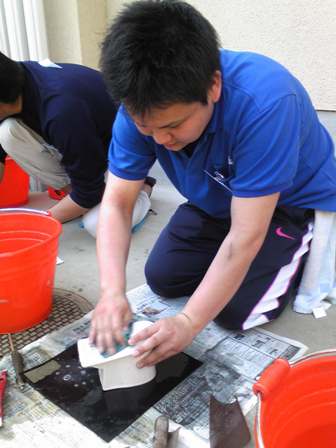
[(40, 213), (258, 430)]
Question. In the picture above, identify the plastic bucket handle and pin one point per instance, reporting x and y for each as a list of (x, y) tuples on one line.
[(25, 210), (264, 386)]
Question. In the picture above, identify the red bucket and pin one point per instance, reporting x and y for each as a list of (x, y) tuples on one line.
[(14, 187), (28, 251), (297, 403)]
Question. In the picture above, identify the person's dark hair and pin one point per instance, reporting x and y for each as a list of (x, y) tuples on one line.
[(11, 79), (157, 53)]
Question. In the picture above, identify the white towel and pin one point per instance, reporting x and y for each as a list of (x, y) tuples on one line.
[(319, 275)]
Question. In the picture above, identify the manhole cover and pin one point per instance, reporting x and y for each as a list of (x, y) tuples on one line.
[(67, 307)]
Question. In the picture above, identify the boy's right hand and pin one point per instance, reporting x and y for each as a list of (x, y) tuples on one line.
[(109, 320)]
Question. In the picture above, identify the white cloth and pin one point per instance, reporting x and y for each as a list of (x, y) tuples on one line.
[(319, 275), (141, 208)]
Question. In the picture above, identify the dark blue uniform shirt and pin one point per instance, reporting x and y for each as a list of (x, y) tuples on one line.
[(71, 109)]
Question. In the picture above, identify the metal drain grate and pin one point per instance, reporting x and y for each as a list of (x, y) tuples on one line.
[(67, 307)]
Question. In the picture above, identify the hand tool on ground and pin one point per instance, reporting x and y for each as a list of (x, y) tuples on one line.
[(162, 437), (17, 361), (228, 428), (3, 380)]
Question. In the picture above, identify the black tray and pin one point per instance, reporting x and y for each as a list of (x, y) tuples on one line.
[(78, 391)]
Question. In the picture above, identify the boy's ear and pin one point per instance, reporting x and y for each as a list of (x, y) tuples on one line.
[(215, 90)]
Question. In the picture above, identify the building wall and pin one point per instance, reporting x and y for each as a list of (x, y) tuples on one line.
[(114, 6), (75, 29), (301, 34), (93, 21), (63, 30)]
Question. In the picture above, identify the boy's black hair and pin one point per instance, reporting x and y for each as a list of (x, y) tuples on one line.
[(157, 53), (11, 79)]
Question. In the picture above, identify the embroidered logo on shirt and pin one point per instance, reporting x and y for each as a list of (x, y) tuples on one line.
[(279, 232), (219, 178)]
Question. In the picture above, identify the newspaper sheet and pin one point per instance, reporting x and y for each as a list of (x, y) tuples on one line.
[(231, 362)]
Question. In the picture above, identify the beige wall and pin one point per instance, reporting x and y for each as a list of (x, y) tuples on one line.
[(75, 29), (63, 30), (301, 34), (114, 6), (92, 20)]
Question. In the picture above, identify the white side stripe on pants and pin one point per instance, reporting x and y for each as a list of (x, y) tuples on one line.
[(280, 285)]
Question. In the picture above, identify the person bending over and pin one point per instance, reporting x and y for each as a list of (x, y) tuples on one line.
[(56, 122), (239, 138)]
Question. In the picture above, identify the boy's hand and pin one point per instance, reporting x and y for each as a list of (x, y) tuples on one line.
[(109, 320), (163, 339)]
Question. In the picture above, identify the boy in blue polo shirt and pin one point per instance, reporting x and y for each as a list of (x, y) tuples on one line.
[(238, 136)]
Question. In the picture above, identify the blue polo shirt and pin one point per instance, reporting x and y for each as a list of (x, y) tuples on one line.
[(68, 105), (264, 137)]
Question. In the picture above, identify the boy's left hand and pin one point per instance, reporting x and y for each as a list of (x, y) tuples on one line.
[(163, 339)]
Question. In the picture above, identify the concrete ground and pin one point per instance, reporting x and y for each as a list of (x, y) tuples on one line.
[(79, 272)]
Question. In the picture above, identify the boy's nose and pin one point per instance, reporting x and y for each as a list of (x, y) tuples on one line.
[(162, 137)]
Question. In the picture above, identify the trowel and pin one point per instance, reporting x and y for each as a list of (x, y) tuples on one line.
[(228, 428)]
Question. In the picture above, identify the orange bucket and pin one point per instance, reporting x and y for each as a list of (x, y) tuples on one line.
[(14, 187), (297, 403), (28, 251)]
